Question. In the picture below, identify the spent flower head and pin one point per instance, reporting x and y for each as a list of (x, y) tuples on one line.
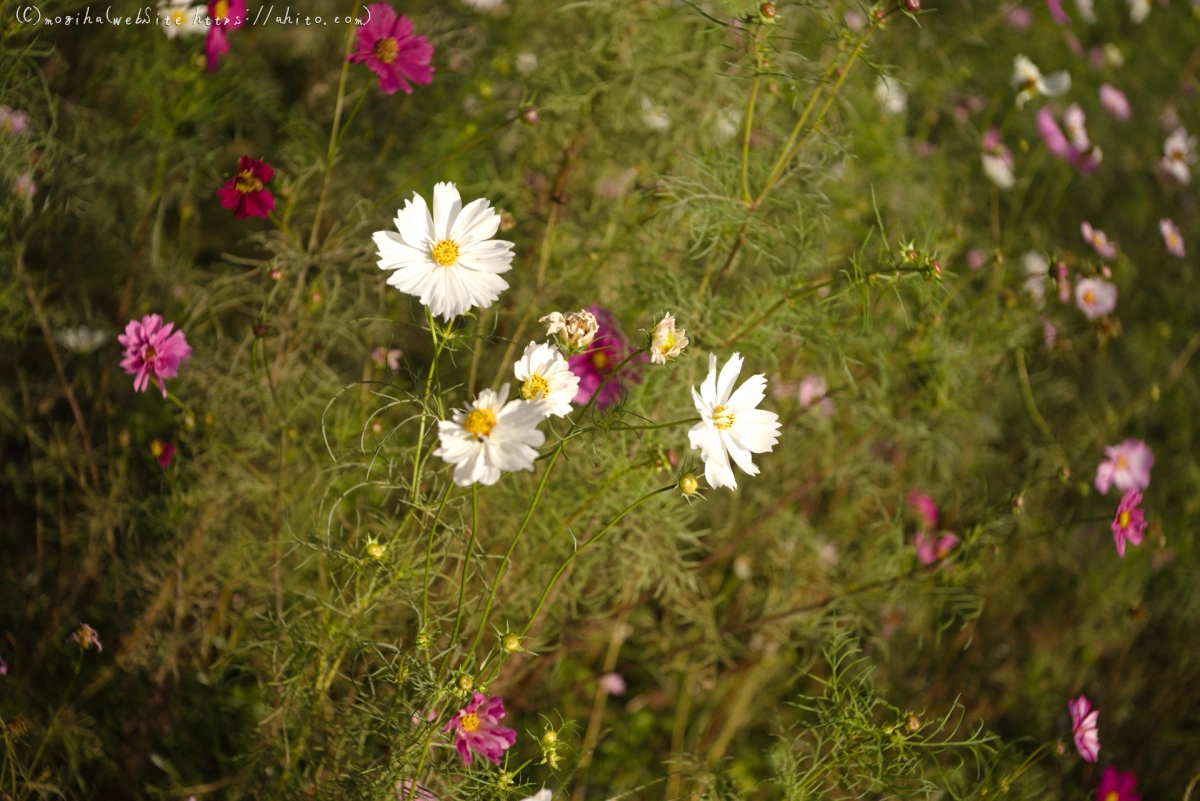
[(666, 341), (574, 330), (86, 637)]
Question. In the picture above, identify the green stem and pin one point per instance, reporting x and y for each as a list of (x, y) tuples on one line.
[(429, 554), (437, 355), (746, 136), (462, 585)]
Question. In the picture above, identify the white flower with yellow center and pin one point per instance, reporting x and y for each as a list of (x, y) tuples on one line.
[(1032, 83), (666, 341), (491, 436), (730, 424), (448, 259), (179, 18), (575, 330), (546, 378)]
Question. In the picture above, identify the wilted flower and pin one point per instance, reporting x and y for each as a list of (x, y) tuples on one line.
[(731, 425), (477, 728), (86, 637), (389, 48), (612, 683), (1178, 152), (81, 339), (164, 452), (1098, 240), (449, 259), (389, 358), (666, 341), (12, 121), (1172, 238), (1115, 102), (246, 192), (930, 549), (575, 330), (492, 435), (608, 349), (1032, 83), (152, 351), (653, 115), (1127, 467), (1129, 522), (997, 160), (178, 19), (546, 378), (1095, 297), (890, 95), (924, 507), (1083, 726), (227, 15), (1036, 267), (1117, 786)]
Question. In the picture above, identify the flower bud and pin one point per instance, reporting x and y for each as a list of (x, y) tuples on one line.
[(375, 550), (529, 115), (913, 722), (260, 330), (510, 643), (550, 738), (423, 640), (466, 683), (911, 6), (768, 10), (688, 484), (276, 274)]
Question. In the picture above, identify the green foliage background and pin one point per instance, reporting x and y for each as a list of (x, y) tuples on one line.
[(777, 640)]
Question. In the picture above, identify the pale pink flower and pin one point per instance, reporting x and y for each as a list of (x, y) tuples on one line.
[(389, 358), (612, 683), (1127, 467), (1018, 18), (1115, 102), (477, 728), (976, 258), (12, 121), (405, 791), (1049, 332), (86, 637), (1056, 11), (931, 549), (1178, 152), (1061, 275), (152, 351), (1098, 240), (1129, 523), (1172, 238), (1083, 726), (24, 187), (1085, 160), (812, 393), (1095, 297)]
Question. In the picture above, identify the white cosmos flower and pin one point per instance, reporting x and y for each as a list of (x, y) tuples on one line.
[(483, 6), (81, 339), (541, 795), (1178, 152), (891, 96), (492, 435), (1036, 269), (731, 426), (999, 170), (1029, 78), (1139, 10), (653, 115), (179, 18), (546, 377), (448, 259), (666, 341)]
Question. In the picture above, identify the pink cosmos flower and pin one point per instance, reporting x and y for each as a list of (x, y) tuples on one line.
[(390, 358), (1172, 238), (930, 549), (1127, 467), (1061, 275), (607, 350), (1115, 102), (812, 393), (164, 452), (924, 507), (1083, 726), (151, 350), (1098, 240), (1117, 786), (976, 258), (3, 667), (12, 121), (85, 637), (1056, 11), (1018, 18), (1129, 522), (1095, 297), (227, 15), (389, 48), (612, 683), (24, 187), (1049, 332), (1085, 160), (477, 729), (245, 192)]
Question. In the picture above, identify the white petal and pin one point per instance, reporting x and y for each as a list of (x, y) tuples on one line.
[(708, 389), (1056, 84), (476, 223), (446, 205), (729, 376), (749, 394), (414, 223), (739, 453)]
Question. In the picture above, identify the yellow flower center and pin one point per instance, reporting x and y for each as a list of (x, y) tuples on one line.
[(535, 388), (1031, 84), (480, 422), (1113, 795), (179, 18), (469, 722), (156, 448), (247, 183), (386, 50), (667, 346), (600, 360), (222, 9), (1089, 297), (722, 419), (445, 253), (1122, 463), (149, 353), (1123, 520)]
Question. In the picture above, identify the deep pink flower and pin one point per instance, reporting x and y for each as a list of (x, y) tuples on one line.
[(612, 683), (1115, 102), (1129, 522), (226, 16), (1095, 297), (932, 549), (3, 667), (925, 508), (1083, 726), (246, 192), (477, 729), (387, 45), (1085, 160), (1098, 240), (1127, 467), (1172, 238), (151, 350), (1056, 11), (85, 637), (164, 452), (607, 350), (1117, 786)]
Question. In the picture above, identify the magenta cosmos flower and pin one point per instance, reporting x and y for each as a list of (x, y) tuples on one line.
[(597, 363), (246, 192), (388, 46), (1115, 102), (1172, 238), (226, 16), (1078, 149), (1083, 726), (477, 728), (1099, 241), (164, 452), (931, 549), (1095, 297), (1117, 786), (1129, 522), (924, 507), (152, 351), (1127, 467)]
